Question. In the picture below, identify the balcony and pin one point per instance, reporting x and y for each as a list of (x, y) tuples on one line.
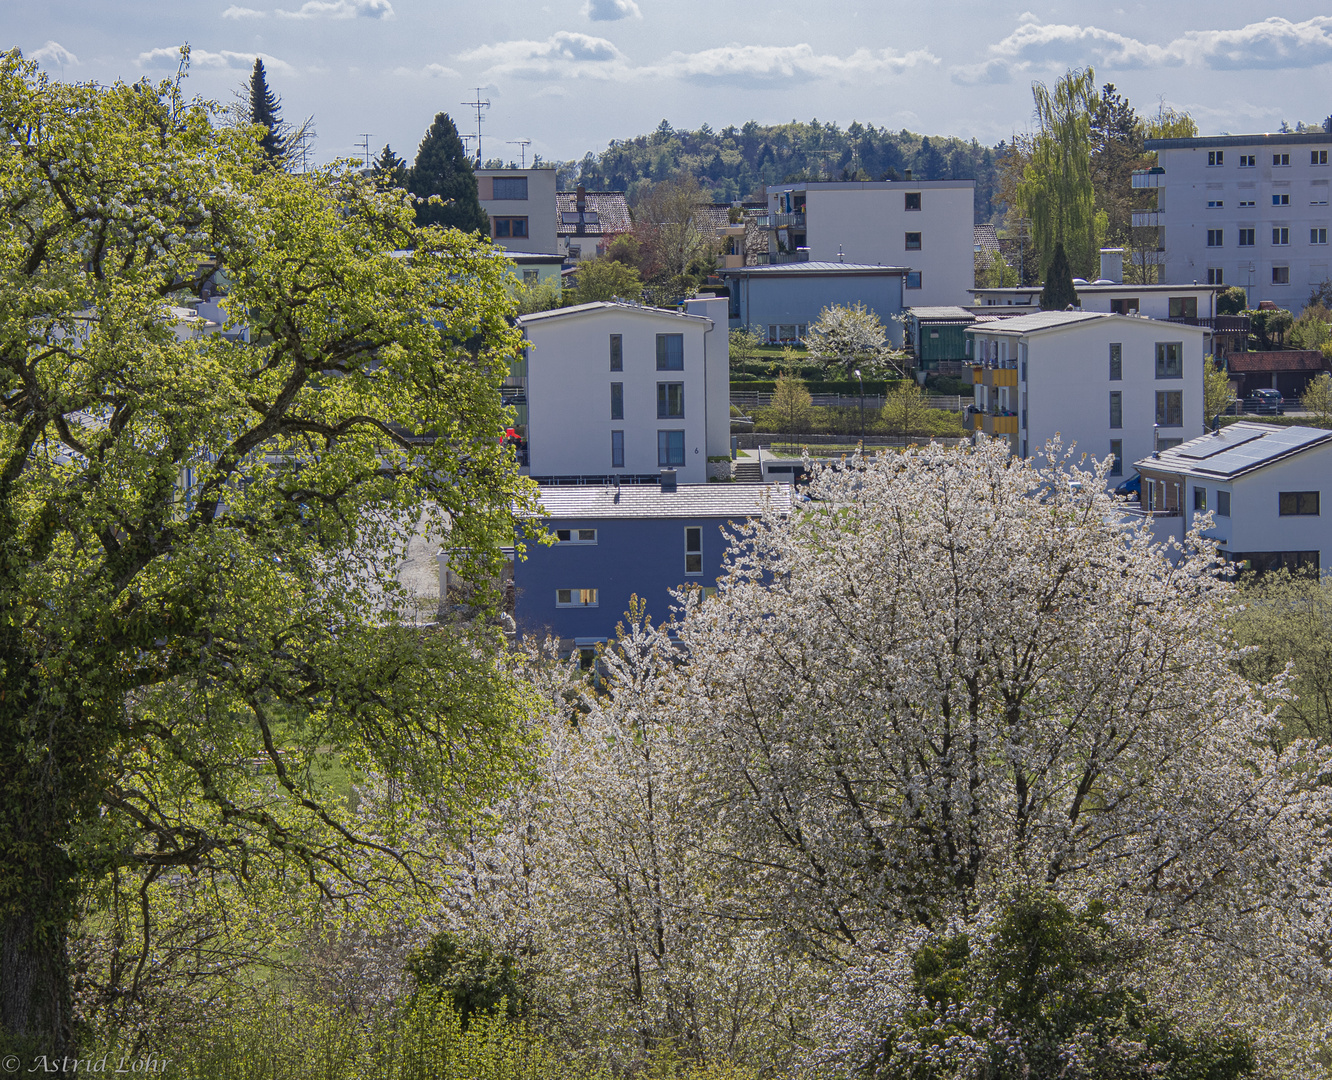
[(1148, 219), (785, 221), (1003, 424), (1149, 178), (986, 375), (1221, 324), (799, 255)]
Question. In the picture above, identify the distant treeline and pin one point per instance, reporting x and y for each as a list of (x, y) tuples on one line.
[(738, 162)]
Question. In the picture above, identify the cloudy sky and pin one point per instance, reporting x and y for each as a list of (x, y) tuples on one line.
[(570, 75)]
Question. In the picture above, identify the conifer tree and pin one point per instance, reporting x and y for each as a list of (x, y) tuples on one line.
[(265, 110), (1058, 293), (389, 171), (442, 169)]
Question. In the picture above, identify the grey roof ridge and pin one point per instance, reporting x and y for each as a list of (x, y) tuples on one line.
[(598, 305)]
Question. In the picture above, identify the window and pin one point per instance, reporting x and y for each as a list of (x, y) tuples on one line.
[(1215, 204), (1116, 361), (617, 449), (1246, 237), (1200, 500), (617, 401), (1318, 236), (575, 597), (510, 226), (1281, 275), (1214, 237), (1223, 504), (1280, 237), (509, 187), (617, 352), (1281, 198), (1169, 359), (1298, 504), (1248, 161), (670, 400), (670, 352), (670, 448), (1246, 202), (913, 200), (1127, 306), (913, 241), (1116, 408), (1183, 307), (1216, 157), (1280, 159), (693, 549), (1317, 157), (913, 279), (1169, 410), (1215, 276), (1117, 453), (1318, 196), (530, 277), (576, 536)]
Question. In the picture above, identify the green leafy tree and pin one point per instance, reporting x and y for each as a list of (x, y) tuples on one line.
[(905, 409), (389, 171), (847, 337), (477, 975), (1232, 300), (199, 534), (1216, 389), (1056, 193), (1058, 293), (1317, 397), (443, 171), (606, 279), (791, 408), (538, 295), (1311, 330), (744, 345)]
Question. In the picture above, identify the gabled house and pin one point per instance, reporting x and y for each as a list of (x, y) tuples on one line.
[(588, 221)]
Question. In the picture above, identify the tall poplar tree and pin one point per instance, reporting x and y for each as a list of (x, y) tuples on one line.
[(442, 168)]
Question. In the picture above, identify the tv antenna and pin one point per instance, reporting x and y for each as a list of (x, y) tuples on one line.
[(522, 145), (479, 105), (364, 144)]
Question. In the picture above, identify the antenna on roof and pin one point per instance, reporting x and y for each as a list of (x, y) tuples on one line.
[(522, 144), (364, 144), (479, 105)]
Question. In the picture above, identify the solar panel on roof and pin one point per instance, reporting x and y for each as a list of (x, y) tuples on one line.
[(1210, 445)]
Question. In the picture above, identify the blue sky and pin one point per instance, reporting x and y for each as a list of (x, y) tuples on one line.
[(570, 75)]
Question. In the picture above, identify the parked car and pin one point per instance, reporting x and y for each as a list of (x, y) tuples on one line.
[(1265, 401), (1131, 488)]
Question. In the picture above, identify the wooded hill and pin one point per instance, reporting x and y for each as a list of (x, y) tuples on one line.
[(738, 162)]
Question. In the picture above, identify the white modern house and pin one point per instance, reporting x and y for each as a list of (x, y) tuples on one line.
[(617, 392), (521, 206), (1249, 210), (1119, 385), (925, 225), (1263, 485)]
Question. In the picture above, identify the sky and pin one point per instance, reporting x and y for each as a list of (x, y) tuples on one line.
[(572, 75)]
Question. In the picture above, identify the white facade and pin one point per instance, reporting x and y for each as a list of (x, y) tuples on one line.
[(1248, 210), (1151, 301), (1107, 384), (579, 425), (925, 225), (1251, 520), (521, 206)]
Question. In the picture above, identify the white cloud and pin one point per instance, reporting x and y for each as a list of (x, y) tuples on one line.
[(991, 73), (1058, 43), (235, 12), (767, 64), (433, 71), (340, 9), (565, 54), (169, 57), (611, 10), (1272, 43), (55, 53)]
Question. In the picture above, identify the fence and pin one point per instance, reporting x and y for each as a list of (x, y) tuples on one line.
[(752, 440), (748, 400)]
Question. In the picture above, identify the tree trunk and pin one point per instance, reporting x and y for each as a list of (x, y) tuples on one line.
[(34, 984)]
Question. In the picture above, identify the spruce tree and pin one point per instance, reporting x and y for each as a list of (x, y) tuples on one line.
[(442, 169), (389, 171), (1058, 293), (265, 110)]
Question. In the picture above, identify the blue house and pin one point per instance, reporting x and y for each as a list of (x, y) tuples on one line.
[(780, 301), (615, 543)]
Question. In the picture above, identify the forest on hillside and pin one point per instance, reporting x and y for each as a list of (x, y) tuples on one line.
[(738, 162)]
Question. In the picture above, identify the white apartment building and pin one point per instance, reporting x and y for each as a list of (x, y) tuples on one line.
[(1263, 485), (521, 206), (1120, 385), (1248, 210), (925, 225), (619, 391)]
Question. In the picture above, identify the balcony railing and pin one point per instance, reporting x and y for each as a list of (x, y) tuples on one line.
[(1148, 178), (1148, 219), (786, 221), (1220, 324)]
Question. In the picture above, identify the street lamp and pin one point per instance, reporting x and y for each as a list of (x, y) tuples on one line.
[(862, 404)]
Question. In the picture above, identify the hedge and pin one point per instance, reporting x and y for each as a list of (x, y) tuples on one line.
[(767, 386)]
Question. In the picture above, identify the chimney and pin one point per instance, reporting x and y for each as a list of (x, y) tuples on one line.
[(1112, 265), (667, 481), (580, 198), (907, 174)]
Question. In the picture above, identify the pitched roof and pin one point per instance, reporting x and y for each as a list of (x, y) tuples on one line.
[(986, 237), (602, 305), (1232, 451), (714, 217), (732, 501), (1277, 360), (934, 314), (795, 269), (610, 207), (1055, 320)]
